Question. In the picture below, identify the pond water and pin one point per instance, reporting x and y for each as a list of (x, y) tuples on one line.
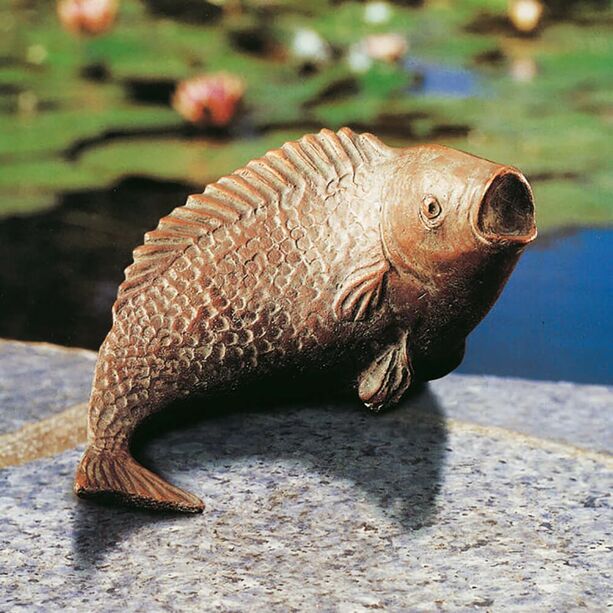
[(553, 320), (59, 272), (441, 80)]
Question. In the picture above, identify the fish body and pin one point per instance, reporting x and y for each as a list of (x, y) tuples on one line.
[(332, 247)]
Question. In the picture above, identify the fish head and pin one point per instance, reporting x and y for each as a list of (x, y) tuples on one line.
[(453, 227), (445, 211)]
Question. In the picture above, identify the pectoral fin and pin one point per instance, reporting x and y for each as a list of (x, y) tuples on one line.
[(387, 378), (360, 293)]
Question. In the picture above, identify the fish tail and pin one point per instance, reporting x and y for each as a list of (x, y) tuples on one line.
[(115, 474)]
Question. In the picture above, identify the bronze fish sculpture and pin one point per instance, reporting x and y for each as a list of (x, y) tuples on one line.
[(334, 245)]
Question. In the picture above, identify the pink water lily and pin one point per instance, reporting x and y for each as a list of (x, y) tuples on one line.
[(88, 17), (389, 47), (211, 99)]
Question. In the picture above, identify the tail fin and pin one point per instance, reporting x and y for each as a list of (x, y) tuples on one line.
[(117, 475)]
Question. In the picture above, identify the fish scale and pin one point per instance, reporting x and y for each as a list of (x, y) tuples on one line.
[(289, 262), (224, 284)]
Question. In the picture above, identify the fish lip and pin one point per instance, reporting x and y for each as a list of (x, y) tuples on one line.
[(501, 238)]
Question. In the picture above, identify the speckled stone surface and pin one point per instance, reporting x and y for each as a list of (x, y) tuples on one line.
[(578, 415), (39, 379), (478, 494)]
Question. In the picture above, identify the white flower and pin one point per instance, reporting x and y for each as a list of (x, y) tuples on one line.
[(523, 69), (309, 46), (377, 12), (358, 58), (525, 14)]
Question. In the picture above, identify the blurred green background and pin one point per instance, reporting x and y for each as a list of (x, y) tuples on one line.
[(92, 153)]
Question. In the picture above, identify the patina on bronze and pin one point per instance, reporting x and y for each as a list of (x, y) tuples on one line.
[(335, 247)]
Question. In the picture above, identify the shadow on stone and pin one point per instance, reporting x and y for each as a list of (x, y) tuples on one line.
[(394, 459), (98, 527)]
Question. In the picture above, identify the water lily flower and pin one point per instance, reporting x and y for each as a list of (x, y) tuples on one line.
[(377, 12), (88, 17), (387, 47), (525, 15), (309, 46), (523, 69), (36, 54), (209, 100), (358, 59), (27, 103)]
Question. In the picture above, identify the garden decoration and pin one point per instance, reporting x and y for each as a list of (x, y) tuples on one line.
[(332, 249)]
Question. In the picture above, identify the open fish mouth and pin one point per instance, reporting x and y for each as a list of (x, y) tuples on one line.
[(506, 212)]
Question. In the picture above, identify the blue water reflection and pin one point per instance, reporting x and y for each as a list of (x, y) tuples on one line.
[(554, 319), (441, 80)]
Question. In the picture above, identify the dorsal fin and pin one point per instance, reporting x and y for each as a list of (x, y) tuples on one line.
[(316, 159)]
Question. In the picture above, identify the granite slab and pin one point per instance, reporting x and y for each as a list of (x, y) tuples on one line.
[(477, 494), (40, 379)]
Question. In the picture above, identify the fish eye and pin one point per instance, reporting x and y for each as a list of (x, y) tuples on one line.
[(430, 207)]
